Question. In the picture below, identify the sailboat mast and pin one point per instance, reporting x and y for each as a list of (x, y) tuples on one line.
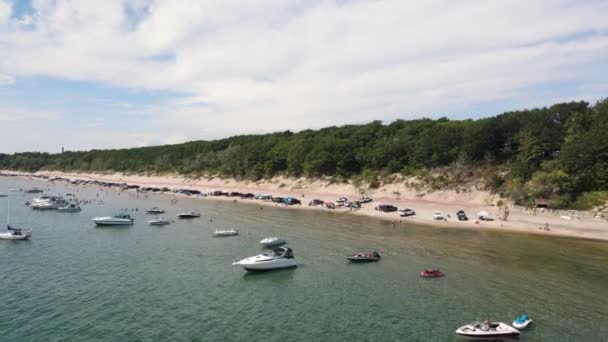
[(8, 211)]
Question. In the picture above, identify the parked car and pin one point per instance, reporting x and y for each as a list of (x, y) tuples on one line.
[(316, 202), (387, 208), (365, 200), (437, 215), (341, 201), (462, 216), (406, 212)]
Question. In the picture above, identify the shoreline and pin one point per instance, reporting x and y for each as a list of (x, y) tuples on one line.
[(447, 202)]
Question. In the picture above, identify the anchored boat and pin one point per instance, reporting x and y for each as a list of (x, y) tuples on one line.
[(188, 215), (120, 219), (522, 322), (364, 257), (221, 233), (281, 257), (487, 329), (272, 241)]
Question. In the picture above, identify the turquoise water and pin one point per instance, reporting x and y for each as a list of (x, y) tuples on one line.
[(75, 282)]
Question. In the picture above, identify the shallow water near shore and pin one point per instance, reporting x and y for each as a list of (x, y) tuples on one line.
[(75, 282)]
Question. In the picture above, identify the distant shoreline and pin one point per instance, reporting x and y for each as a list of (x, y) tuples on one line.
[(447, 202)]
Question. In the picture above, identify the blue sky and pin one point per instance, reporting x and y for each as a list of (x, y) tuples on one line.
[(121, 73)]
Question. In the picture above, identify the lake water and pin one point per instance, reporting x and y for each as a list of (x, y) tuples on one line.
[(75, 282)]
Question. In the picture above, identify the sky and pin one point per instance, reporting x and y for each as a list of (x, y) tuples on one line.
[(103, 74)]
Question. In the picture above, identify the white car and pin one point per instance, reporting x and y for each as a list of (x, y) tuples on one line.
[(437, 215), (406, 212)]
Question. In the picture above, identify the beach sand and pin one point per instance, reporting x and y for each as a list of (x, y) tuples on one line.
[(425, 203)]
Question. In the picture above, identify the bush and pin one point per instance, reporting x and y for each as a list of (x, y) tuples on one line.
[(589, 200)]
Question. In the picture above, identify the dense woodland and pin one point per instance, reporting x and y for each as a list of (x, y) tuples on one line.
[(557, 154)]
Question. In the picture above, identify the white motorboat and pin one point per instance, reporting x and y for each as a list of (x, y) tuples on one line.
[(487, 329), (44, 198), (120, 219), (281, 257), (272, 242), (43, 206), (155, 210), (70, 208), (231, 232), (522, 322), (159, 222), (48, 202), (188, 215)]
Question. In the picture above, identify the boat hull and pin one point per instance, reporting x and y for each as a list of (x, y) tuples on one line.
[(522, 325), (225, 234), (362, 260), (10, 236), (69, 210), (159, 223), (113, 223), (257, 269), (431, 275), (269, 265)]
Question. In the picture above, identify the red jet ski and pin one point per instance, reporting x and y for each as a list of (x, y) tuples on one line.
[(428, 273)]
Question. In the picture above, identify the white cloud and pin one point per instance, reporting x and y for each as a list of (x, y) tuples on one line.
[(5, 11), (252, 66)]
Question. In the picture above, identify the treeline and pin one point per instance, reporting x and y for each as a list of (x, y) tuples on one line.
[(557, 154)]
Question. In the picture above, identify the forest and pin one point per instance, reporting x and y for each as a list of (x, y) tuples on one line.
[(556, 154)]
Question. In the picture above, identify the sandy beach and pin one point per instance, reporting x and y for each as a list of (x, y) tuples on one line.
[(568, 223)]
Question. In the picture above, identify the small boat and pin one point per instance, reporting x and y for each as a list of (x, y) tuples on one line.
[(230, 232), (48, 202), (15, 234), (522, 322), (33, 191), (120, 219), (3, 195), (487, 329), (159, 222), (281, 257), (431, 273), (188, 215), (70, 208), (43, 206), (272, 242), (364, 257), (155, 210)]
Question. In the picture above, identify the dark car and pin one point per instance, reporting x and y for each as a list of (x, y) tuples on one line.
[(387, 208), (462, 216)]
